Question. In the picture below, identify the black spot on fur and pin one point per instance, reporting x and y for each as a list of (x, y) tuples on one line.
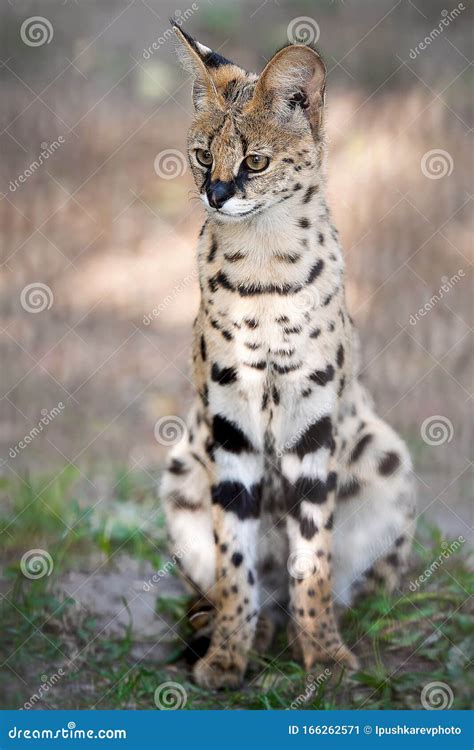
[(309, 193), (212, 251), (229, 436), (321, 238), (251, 578), (360, 447), (318, 435), (340, 356), (237, 559), (331, 481), (235, 498), (314, 334), (284, 370), (348, 489), (322, 377), (177, 467), (203, 349), (251, 323), (224, 375), (293, 329), (342, 385), (308, 528), (329, 523), (315, 271), (389, 464), (393, 559)]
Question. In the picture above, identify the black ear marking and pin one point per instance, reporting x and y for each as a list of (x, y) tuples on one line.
[(299, 99), (210, 58)]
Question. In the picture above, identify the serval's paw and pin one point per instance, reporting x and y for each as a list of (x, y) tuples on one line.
[(219, 669), (313, 649)]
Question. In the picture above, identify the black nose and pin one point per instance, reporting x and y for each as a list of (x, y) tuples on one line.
[(219, 192)]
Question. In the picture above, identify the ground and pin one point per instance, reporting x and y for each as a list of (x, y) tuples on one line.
[(98, 632)]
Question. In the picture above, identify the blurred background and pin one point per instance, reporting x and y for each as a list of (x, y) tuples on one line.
[(105, 221), (98, 231)]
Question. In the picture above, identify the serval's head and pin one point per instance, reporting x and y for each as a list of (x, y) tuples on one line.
[(254, 140)]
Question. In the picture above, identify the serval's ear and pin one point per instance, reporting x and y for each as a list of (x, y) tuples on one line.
[(205, 66), (294, 78)]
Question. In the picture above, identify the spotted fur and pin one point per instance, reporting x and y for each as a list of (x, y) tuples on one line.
[(285, 461)]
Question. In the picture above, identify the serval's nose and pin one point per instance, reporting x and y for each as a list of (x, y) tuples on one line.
[(219, 192)]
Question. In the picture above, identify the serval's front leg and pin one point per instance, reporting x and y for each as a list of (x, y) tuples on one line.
[(236, 496), (310, 484)]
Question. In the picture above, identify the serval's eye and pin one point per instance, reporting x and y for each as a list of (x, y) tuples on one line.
[(204, 157), (256, 162)]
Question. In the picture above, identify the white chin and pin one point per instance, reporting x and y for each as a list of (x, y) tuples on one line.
[(234, 209)]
